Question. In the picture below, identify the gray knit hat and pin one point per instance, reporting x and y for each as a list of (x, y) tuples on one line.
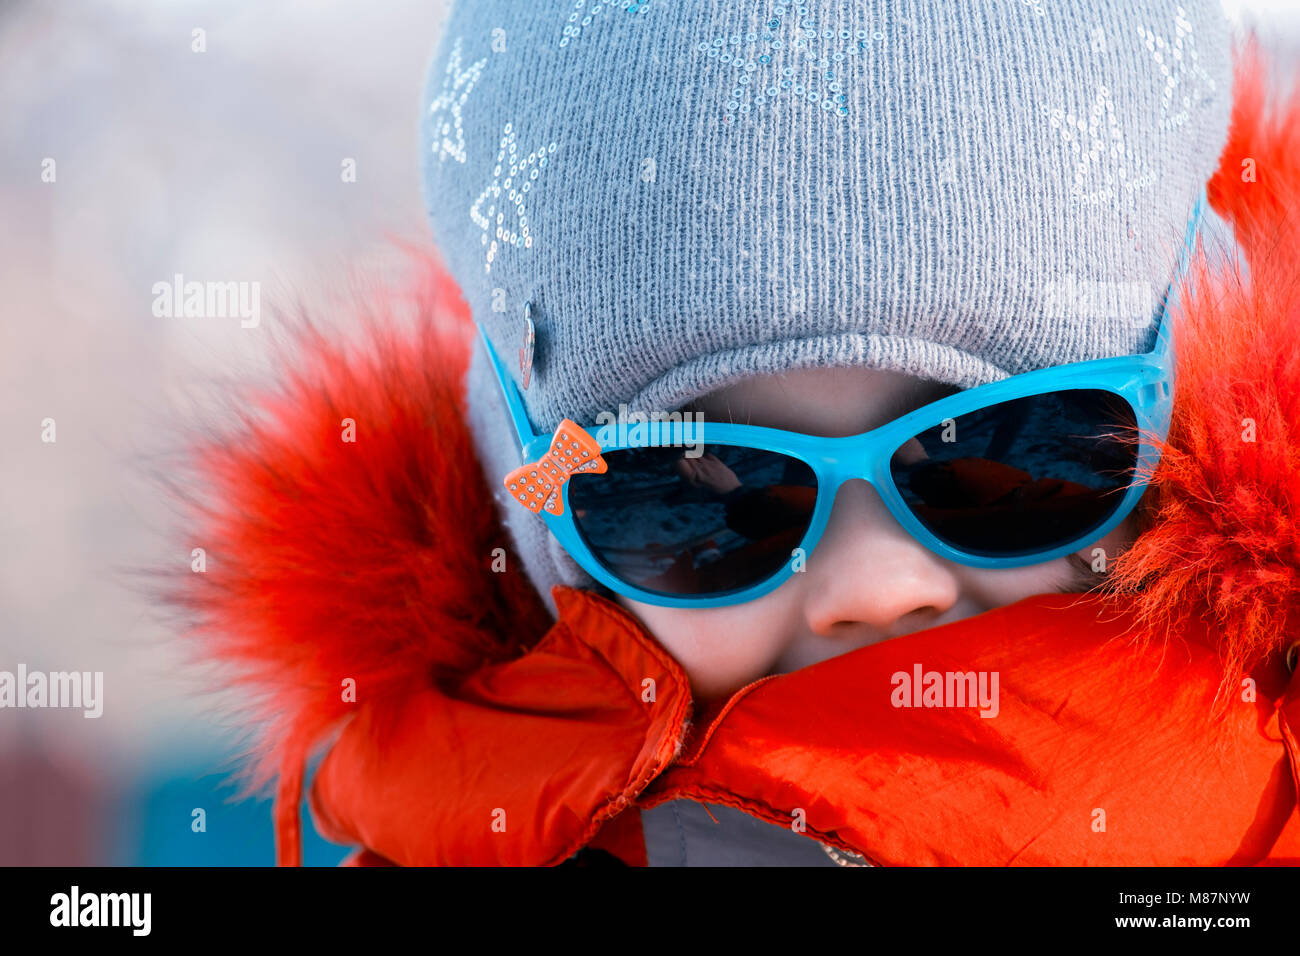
[(691, 192)]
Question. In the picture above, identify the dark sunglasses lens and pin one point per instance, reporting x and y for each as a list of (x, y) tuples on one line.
[(721, 521), (1021, 476)]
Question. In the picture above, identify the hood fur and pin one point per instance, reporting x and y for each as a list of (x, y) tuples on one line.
[(1220, 538), (331, 561)]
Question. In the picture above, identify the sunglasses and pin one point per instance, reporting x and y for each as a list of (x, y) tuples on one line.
[(1003, 475)]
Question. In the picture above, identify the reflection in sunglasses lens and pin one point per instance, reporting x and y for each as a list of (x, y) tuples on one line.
[(721, 522), (1021, 476)]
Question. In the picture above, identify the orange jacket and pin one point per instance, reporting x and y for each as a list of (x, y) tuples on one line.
[(352, 587), (556, 744)]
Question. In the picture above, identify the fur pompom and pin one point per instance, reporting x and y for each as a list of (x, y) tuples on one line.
[(1221, 538), (349, 530)]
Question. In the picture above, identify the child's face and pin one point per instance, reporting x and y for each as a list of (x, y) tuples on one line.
[(867, 580)]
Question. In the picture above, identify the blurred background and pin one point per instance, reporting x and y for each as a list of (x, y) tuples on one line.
[(222, 164), (225, 163)]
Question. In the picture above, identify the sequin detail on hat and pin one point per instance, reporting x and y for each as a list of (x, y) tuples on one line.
[(792, 60), (1187, 85), (587, 12), (444, 111), (1106, 170), (524, 169)]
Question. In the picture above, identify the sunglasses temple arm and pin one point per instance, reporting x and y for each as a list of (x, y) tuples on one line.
[(514, 402)]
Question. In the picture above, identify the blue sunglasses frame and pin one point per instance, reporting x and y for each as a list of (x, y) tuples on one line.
[(1145, 381)]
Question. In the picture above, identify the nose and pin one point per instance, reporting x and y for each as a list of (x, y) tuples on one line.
[(868, 579)]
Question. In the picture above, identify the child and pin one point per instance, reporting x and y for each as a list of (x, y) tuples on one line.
[(852, 238)]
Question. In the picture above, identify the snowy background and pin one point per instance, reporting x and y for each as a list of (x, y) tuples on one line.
[(222, 164)]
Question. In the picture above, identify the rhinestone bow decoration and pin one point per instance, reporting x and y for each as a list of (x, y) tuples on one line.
[(537, 486)]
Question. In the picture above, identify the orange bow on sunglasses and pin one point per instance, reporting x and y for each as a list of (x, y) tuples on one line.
[(539, 485)]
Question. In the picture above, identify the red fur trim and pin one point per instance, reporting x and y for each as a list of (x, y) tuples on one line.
[(1222, 541), (1257, 184), (369, 560)]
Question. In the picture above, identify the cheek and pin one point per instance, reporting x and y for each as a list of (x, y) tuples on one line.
[(1000, 588), (721, 649), (1113, 543)]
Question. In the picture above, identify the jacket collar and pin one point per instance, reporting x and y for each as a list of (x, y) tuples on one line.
[(1106, 748)]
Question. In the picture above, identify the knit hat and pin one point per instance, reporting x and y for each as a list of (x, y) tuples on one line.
[(693, 192)]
